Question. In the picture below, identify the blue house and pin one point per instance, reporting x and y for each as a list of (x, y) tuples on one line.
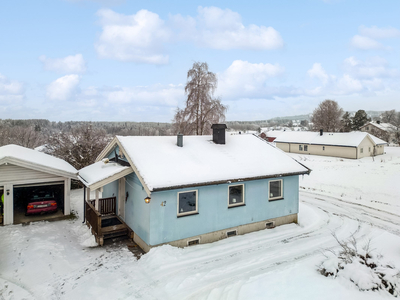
[(189, 190)]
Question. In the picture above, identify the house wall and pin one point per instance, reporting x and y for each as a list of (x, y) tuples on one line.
[(213, 212), (137, 212), (337, 151), (379, 149), (367, 148)]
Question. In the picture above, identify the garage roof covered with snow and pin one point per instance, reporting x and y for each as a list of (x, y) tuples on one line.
[(30, 158), (161, 164)]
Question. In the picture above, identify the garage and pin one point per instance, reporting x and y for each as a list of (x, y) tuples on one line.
[(31, 195), (35, 185)]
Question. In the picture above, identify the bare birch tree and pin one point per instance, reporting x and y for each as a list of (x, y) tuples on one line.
[(202, 110), (327, 116)]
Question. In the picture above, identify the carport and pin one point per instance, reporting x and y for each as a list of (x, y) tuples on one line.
[(25, 172)]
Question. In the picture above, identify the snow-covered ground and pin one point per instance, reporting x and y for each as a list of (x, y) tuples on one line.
[(59, 260)]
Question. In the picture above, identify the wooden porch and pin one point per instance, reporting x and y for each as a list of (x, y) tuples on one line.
[(104, 222)]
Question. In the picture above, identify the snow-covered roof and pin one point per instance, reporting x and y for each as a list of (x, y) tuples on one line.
[(161, 164), (349, 139), (99, 173), (31, 158), (383, 126)]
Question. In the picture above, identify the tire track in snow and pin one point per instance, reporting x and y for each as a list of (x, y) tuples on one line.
[(345, 218)]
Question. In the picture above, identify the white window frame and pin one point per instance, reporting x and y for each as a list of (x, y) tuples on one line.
[(300, 147), (238, 204), (269, 186), (305, 147), (179, 214)]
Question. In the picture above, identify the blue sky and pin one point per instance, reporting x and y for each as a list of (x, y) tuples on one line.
[(116, 60)]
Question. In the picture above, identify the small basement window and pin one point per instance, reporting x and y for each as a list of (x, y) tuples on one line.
[(236, 195), (187, 203), (275, 189), (270, 225), (193, 242), (231, 233)]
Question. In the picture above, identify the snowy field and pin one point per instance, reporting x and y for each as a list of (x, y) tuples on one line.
[(59, 260)]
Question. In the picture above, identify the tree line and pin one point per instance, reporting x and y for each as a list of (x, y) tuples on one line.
[(330, 117)]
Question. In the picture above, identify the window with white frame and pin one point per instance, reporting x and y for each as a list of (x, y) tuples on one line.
[(300, 147), (275, 189), (187, 203), (361, 150), (236, 195), (305, 147)]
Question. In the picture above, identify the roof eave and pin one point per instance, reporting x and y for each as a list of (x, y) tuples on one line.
[(100, 183), (167, 188), (42, 168)]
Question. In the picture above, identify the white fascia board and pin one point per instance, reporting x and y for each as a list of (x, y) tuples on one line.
[(110, 179), (108, 149), (148, 192), (45, 169)]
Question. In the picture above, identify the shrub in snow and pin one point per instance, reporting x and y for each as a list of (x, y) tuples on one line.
[(364, 268)]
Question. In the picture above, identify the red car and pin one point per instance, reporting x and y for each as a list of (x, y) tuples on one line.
[(41, 203)]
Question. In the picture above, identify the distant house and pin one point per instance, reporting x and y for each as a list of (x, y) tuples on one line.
[(340, 144), (24, 172), (385, 131), (189, 190)]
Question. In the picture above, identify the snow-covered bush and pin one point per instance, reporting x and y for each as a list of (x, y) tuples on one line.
[(367, 270)]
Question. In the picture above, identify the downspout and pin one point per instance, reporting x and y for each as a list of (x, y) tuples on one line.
[(84, 204)]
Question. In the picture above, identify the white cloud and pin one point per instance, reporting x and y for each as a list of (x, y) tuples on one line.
[(223, 29), (375, 67), (369, 35), (63, 88), (379, 33), (246, 80), (360, 77), (139, 37), (318, 72), (142, 37), (10, 90), (69, 64), (365, 43)]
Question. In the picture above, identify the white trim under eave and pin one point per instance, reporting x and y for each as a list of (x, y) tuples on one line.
[(41, 168), (107, 180)]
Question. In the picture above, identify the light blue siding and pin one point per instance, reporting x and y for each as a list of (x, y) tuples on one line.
[(214, 213), (137, 212)]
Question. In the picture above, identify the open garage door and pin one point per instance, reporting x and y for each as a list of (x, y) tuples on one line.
[(35, 202)]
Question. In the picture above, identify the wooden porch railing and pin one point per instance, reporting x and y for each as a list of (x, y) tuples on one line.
[(107, 206), (93, 217)]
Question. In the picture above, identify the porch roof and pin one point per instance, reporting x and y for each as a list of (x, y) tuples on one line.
[(101, 173)]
